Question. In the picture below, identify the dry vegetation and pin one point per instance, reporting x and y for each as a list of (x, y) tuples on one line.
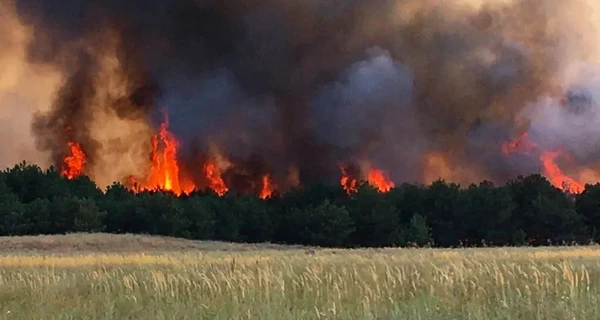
[(128, 243), (61, 278)]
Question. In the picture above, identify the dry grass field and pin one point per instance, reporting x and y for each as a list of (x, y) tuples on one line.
[(135, 277)]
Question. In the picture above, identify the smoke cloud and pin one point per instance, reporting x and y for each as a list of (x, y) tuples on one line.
[(421, 89), (25, 88)]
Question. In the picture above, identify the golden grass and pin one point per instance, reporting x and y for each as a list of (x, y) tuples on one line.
[(503, 283), (127, 243)]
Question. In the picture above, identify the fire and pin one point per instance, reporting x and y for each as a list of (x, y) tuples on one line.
[(215, 181), (267, 187), (375, 177), (349, 184), (521, 143), (556, 176), (378, 179), (551, 170), (74, 163), (164, 168)]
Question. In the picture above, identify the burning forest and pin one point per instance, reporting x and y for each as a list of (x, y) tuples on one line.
[(263, 96)]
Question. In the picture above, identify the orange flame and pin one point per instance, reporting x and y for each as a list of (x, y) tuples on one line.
[(378, 179), (164, 168), (349, 184), (215, 181), (552, 171), (556, 176), (74, 163), (267, 187)]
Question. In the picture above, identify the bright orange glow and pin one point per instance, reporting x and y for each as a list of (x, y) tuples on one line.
[(267, 187), (74, 163), (349, 184), (215, 181), (378, 179), (556, 176), (164, 169), (552, 171)]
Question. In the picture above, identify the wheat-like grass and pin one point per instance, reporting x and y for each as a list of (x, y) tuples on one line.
[(273, 284)]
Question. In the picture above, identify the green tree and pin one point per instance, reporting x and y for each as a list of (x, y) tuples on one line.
[(490, 215), (325, 225), (84, 187), (228, 223), (38, 218), (409, 199), (199, 219), (254, 217), (377, 222), (71, 214), (11, 212), (546, 212), (588, 206), (161, 213), (122, 214), (416, 231), (446, 209), (27, 182)]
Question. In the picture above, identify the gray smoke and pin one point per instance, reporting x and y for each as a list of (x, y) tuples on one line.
[(309, 84), (571, 123), (370, 114)]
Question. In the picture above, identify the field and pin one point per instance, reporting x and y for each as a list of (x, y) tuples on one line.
[(134, 277)]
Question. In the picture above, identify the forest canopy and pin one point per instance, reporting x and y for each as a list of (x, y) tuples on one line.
[(528, 210)]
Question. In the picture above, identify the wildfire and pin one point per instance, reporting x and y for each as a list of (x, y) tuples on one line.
[(165, 173), (556, 176), (375, 177), (378, 179), (349, 184), (164, 168), (267, 187), (551, 170), (215, 181), (74, 163), (521, 143)]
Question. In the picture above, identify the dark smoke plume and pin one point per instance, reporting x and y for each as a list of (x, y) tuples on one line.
[(309, 84)]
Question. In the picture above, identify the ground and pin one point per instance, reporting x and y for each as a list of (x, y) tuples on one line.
[(81, 243), (99, 276)]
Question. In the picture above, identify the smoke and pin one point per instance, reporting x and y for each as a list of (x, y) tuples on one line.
[(24, 89), (572, 122), (369, 115), (104, 105), (421, 89)]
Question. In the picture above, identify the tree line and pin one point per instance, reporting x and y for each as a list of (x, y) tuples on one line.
[(525, 211)]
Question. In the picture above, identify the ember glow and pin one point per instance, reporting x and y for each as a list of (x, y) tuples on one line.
[(74, 163)]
